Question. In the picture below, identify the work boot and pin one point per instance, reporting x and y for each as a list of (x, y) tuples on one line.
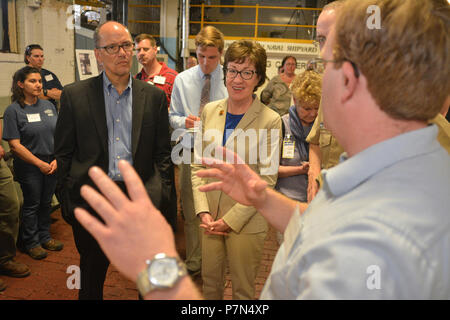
[(53, 245), (2, 285), (13, 268), (37, 253)]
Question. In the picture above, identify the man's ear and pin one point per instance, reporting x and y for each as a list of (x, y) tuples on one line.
[(97, 55), (349, 80)]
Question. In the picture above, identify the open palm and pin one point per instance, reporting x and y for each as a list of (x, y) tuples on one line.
[(236, 179)]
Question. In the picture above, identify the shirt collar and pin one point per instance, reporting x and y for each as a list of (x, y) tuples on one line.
[(217, 71), (355, 170), (145, 75), (108, 85)]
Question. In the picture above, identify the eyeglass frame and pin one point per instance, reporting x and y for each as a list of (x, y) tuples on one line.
[(240, 73), (314, 61), (118, 46)]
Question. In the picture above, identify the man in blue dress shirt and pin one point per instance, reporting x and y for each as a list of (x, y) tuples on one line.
[(103, 120)]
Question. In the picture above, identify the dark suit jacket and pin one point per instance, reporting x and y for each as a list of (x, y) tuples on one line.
[(81, 141)]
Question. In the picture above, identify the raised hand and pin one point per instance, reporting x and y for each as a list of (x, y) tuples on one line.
[(236, 179), (134, 229)]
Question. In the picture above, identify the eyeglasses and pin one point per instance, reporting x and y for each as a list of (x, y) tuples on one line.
[(318, 65), (245, 74), (115, 48)]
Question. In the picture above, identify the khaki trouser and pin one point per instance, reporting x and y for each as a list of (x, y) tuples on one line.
[(9, 214), (191, 221), (243, 254)]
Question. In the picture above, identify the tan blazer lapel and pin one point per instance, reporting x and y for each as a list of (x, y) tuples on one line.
[(247, 119)]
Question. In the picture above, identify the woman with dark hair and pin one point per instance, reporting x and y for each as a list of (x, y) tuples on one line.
[(29, 124), (234, 234), (276, 94)]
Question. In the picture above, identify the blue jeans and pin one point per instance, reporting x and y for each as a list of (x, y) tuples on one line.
[(38, 190)]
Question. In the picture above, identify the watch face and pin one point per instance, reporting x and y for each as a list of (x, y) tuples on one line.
[(163, 272)]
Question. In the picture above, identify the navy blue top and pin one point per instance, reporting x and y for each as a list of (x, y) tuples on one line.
[(231, 123), (50, 81), (33, 125)]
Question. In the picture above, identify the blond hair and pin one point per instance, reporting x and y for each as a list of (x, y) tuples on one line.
[(407, 61), (210, 36), (307, 87)]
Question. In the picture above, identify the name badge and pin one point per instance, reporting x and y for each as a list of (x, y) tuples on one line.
[(49, 77), (159, 80), (288, 147), (34, 117)]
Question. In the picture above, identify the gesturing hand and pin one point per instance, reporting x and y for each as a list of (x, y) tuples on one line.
[(134, 229), (236, 179)]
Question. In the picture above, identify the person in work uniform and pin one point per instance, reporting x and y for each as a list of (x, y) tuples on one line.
[(29, 125), (324, 152), (444, 126), (51, 86)]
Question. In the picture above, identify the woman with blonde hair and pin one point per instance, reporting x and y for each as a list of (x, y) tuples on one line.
[(293, 171)]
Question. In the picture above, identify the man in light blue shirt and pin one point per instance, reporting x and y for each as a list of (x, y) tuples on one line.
[(118, 110), (380, 226), (104, 120), (184, 110)]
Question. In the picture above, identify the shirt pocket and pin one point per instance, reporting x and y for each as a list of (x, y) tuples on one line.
[(325, 145), (325, 138)]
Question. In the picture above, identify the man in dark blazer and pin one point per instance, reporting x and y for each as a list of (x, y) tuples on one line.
[(103, 120)]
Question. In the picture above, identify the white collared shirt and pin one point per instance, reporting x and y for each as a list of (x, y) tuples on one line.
[(186, 93)]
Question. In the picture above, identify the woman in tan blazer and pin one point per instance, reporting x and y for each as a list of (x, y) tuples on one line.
[(234, 233)]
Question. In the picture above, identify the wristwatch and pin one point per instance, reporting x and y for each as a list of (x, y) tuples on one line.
[(162, 272), (45, 92)]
